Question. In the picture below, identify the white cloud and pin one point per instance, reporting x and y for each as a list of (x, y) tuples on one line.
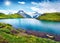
[(42, 10), (34, 3), (21, 3), (3, 11), (45, 7), (8, 11)]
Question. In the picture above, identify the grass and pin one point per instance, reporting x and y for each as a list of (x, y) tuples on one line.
[(50, 17), (9, 16)]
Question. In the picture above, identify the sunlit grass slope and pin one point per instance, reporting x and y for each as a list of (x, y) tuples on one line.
[(50, 17), (15, 15)]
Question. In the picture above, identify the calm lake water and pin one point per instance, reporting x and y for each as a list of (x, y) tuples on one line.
[(34, 25)]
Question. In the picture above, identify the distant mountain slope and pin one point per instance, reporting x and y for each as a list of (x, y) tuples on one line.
[(15, 15), (21, 12), (36, 14), (50, 16)]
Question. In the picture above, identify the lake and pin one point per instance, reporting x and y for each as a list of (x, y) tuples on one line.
[(34, 25)]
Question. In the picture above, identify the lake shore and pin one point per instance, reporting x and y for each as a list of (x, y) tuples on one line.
[(12, 35), (44, 35)]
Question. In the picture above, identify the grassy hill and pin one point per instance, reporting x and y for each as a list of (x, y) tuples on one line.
[(50, 17), (8, 34), (4, 16)]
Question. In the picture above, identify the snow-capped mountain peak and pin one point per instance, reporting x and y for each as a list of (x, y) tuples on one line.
[(21, 12)]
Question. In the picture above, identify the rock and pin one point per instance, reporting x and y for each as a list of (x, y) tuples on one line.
[(14, 32), (50, 36), (57, 38), (38, 34)]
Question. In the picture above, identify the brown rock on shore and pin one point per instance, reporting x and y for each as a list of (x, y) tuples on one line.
[(44, 35)]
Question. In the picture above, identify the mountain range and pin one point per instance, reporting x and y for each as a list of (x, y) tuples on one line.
[(23, 14), (35, 15)]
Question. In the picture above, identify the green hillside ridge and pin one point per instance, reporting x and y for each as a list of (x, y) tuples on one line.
[(50, 17), (9, 34), (15, 15)]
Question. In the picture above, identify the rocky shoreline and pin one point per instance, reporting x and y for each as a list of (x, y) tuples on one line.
[(43, 35)]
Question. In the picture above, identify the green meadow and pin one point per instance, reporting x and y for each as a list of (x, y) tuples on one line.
[(50, 17)]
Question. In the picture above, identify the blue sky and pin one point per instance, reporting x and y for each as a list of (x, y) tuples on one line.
[(29, 6)]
